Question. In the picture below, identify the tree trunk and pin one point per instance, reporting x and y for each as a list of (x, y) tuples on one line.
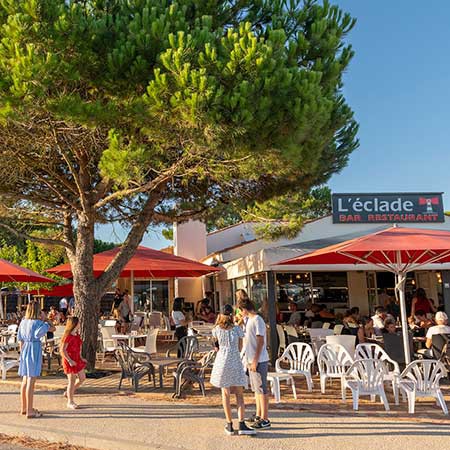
[(85, 288), (87, 308)]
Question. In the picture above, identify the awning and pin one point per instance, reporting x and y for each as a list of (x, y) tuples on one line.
[(145, 263)]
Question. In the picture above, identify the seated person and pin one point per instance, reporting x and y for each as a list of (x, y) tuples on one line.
[(365, 331), (296, 317), (309, 313), (54, 316), (206, 313), (422, 320), (324, 313), (441, 327), (351, 318), (378, 320), (390, 326)]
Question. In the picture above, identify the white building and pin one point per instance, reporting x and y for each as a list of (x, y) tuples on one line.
[(250, 263)]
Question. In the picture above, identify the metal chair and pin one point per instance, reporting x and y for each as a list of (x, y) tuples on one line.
[(133, 367), (185, 348), (190, 372)]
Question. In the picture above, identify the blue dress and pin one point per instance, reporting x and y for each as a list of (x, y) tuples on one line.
[(29, 334)]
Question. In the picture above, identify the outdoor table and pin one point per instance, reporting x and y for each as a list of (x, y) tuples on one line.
[(161, 364), (203, 330), (130, 337)]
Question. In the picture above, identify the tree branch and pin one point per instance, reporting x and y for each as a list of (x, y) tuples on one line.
[(35, 238)]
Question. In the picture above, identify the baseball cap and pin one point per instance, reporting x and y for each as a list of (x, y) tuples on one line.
[(440, 315)]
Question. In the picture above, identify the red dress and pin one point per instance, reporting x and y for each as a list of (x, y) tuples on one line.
[(73, 349)]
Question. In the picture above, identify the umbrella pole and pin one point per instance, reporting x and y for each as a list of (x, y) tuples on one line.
[(400, 288)]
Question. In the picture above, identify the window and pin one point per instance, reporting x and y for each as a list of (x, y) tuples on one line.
[(292, 287), (330, 287), (151, 295)]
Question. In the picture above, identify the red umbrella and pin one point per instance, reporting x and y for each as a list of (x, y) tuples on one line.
[(397, 250), (10, 272), (145, 262), (64, 290)]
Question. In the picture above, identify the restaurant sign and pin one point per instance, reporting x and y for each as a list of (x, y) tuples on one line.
[(388, 208)]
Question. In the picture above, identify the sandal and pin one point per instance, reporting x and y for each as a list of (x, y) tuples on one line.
[(36, 414)]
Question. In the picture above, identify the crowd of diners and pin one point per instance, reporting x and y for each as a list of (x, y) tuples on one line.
[(424, 321)]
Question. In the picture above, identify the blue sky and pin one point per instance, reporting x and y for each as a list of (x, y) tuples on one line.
[(398, 85)]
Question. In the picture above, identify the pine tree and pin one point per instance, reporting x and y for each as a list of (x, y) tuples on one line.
[(150, 111)]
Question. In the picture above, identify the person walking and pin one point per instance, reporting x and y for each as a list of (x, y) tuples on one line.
[(228, 372), (31, 330), (256, 359), (73, 363), (124, 311)]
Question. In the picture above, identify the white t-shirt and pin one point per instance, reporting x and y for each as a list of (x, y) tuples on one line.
[(437, 329), (255, 326), (63, 303), (378, 323), (178, 317)]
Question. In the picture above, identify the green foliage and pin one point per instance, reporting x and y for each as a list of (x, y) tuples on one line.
[(150, 111), (102, 246), (146, 111)]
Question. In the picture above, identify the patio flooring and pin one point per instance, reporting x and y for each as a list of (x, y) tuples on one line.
[(312, 402)]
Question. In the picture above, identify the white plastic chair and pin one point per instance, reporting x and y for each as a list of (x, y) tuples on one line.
[(333, 362), (12, 338), (318, 336), (337, 330), (366, 377), (110, 323), (421, 379), (300, 358), (374, 351), (291, 333), (150, 343), (346, 341), (274, 378), (326, 325), (109, 344), (281, 339), (7, 361)]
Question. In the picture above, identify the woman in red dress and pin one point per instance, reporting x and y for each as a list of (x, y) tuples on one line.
[(422, 302), (73, 363)]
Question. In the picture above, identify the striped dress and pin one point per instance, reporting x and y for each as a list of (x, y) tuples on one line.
[(228, 370)]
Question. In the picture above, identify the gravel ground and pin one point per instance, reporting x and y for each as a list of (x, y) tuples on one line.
[(127, 422)]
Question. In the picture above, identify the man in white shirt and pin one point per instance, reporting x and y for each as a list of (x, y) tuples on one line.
[(378, 321), (63, 305), (257, 359), (441, 327)]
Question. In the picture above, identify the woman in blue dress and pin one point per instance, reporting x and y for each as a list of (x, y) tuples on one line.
[(31, 330)]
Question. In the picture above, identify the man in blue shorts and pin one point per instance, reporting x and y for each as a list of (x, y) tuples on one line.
[(257, 360)]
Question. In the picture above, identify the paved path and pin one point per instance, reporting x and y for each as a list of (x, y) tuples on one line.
[(123, 422)]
